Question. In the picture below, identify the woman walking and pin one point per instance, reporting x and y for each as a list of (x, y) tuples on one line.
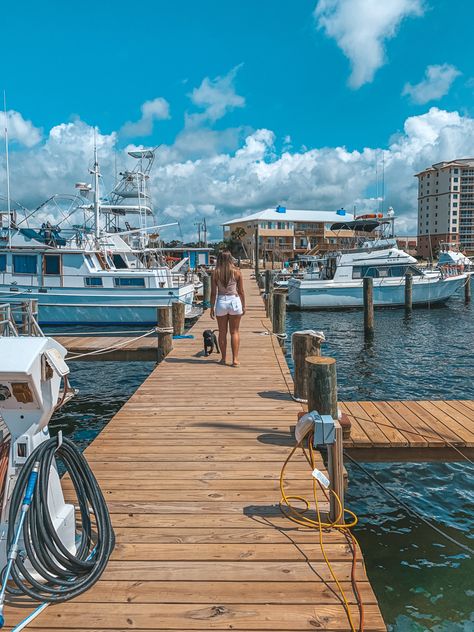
[(228, 304)]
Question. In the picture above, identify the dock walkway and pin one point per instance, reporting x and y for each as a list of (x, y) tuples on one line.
[(190, 469)]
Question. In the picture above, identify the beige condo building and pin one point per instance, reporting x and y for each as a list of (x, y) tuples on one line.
[(446, 206)]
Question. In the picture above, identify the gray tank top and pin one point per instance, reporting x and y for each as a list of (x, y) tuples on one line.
[(230, 290)]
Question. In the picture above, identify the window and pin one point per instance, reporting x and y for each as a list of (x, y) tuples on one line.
[(3, 263), (455, 179), (52, 264), (24, 264), (281, 225), (90, 261), (130, 282), (455, 203), (93, 281), (119, 262)]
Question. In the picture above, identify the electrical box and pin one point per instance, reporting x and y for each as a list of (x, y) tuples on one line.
[(324, 429)]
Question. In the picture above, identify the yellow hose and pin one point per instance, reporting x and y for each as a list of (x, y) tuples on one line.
[(298, 516)]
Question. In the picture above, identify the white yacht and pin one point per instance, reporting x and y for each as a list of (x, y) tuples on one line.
[(89, 274), (336, 280)]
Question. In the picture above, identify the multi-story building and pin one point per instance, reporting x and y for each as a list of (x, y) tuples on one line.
[(284, 233), (409, 244), (446, 206)]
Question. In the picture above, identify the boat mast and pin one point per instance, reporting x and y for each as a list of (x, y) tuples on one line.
[(7, 165), (96, 173)]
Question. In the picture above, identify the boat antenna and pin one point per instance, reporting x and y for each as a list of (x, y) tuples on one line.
[(7, 166), (96, 173), (383, 180), (377, 178)]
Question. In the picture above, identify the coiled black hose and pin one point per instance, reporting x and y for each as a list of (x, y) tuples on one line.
[(59, 575)]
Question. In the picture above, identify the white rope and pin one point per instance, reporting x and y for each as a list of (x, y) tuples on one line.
[(75, 356), (164, 330), (271, 333), (319, 335)]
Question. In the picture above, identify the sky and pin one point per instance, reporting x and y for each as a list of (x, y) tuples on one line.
[(251, 104)]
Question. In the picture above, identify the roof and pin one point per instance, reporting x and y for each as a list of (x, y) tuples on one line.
[(292, 215), (458, 162)]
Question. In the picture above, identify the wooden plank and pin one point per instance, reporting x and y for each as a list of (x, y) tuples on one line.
[(190, 470)]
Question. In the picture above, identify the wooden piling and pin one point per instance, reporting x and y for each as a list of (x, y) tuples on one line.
[(256, 254), (467, 289), (279, 316), (178, 314), (268, 280), (206, 291), (165, 332), (368, 306), (322, 398), (336, 475), (322, 385), (304, 346), (408, 291)]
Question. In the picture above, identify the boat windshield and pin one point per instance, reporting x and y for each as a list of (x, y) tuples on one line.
[(381, 271)]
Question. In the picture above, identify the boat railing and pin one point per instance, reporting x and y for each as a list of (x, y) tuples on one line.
[(19, 319)]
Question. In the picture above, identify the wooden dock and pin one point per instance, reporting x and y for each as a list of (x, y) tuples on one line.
[(434, 430), (190, 468), (121, 347)]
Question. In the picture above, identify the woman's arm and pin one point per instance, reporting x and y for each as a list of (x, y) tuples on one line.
[(213, 294), (240, 290)]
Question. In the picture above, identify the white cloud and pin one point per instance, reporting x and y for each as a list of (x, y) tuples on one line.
[(360, 28), (437, 82), (216, 97), (225, 183), (19, 129), (156, 110)]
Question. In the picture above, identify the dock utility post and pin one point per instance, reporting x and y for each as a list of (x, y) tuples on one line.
[(165, 332), (368, 306), (206, 291), (304, 345), (178, 312), (408, 291), (279, 316)]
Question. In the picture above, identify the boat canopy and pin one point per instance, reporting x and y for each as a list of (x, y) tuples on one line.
[(358, 225)]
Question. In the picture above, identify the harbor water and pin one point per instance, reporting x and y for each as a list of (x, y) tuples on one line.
[(422, 581)]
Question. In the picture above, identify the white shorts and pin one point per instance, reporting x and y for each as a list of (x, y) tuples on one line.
[(229, 306)]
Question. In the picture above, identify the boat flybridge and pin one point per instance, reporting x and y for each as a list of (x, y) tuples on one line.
[(94, 272), (335, 280)]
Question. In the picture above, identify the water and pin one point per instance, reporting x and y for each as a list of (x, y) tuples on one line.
[(422, 581)]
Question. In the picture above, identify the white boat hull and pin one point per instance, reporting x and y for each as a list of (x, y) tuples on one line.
[(316, 294), (99, 307)]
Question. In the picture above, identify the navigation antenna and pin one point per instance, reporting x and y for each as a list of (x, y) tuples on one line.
[(96, 174), (7, 165)]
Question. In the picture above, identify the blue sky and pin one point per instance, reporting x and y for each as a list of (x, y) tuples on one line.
[(290, 74)]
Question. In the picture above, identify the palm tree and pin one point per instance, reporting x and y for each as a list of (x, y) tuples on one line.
[(237, 236)]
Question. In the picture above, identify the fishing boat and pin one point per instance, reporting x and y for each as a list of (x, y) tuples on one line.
[(94, 273), (335, 281)]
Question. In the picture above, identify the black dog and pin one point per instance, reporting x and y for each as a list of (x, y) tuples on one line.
[(210, 341)]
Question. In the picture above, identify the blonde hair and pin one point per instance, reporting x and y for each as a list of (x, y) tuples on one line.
[(225, 269)]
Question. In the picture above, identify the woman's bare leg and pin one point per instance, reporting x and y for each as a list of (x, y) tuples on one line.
[(222, 323), (234, 324)]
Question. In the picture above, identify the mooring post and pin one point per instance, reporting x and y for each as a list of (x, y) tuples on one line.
[(408, 291), (165, 332), (336, 475), (206, 291), (467, 289), (256, 254), (269, 293), (34, 317), (178, 313), (322, 398), (368, 306), (279, 316), (303, 346)]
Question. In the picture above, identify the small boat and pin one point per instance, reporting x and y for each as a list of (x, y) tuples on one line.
[(336, 280)]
